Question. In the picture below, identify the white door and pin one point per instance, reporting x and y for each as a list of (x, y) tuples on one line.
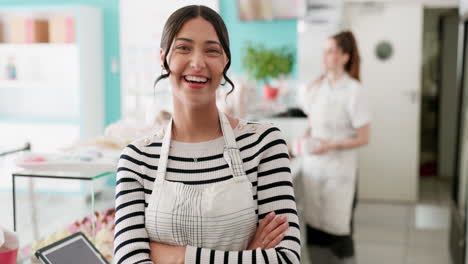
[(389, 165)]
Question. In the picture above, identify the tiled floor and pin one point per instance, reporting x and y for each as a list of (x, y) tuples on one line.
[(403, 233), (389, 233), (407, 234)]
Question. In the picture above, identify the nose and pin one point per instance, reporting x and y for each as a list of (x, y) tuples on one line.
[(197, 61)]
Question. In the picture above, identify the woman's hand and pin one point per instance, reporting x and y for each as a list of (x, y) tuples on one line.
[(165, 254), (361, 139), (270, 232), (324, 147)]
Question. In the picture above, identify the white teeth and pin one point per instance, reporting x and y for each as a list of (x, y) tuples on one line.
[(196, 79)]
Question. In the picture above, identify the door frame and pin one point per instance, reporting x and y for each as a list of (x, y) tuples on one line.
[(459, 223), (441, 94)]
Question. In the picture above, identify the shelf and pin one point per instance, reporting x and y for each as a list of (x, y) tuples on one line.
[(38, 49), (58, 83), (38, 45), (38, 120), (18, 84)]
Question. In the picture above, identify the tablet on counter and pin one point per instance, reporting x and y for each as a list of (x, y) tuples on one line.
[(74, 249)]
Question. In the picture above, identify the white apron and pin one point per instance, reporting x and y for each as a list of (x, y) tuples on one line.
[(330, 179), (218, 216)]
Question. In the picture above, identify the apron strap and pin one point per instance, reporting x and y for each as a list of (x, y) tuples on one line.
[(228, 134), (164, 154), (231, 151)]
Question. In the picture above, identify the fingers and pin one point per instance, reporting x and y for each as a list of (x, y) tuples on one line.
[(275, 234), (319, 151), (269, 231), (265, 221), (259, 234), (279, 220), (275, 241)]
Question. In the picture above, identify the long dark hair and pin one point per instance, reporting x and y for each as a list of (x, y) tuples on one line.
[(175, 22), (346, 41)]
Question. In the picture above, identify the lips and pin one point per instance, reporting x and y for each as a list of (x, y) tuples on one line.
[(196, 81)]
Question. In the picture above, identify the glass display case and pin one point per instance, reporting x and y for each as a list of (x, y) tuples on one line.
[(50, 205)]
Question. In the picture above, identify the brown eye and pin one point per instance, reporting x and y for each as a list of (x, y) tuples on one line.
[(183, 48), (213, 52)]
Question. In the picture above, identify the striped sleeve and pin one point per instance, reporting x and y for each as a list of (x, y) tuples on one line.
[(131, 242), (275, 193)]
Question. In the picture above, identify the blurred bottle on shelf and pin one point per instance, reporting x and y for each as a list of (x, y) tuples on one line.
[(11, 69)]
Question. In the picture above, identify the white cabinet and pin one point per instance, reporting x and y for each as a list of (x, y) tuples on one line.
[(57, 84), (46, 72)]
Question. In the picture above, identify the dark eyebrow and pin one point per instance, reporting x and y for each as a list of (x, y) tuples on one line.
[(207, 42), (185, 39), (212, 42)]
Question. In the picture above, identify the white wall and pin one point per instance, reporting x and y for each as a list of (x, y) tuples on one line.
[(311, 38), (463, 7), (312, 35)]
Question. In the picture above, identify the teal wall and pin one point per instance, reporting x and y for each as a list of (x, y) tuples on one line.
[(270, 33), (111, 45)]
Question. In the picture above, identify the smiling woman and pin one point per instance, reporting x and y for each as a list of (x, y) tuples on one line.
[(196, 53), (196, 62), (209, 188)]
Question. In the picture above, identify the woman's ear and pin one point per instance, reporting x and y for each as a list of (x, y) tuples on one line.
[(345, 58), (161, 56), (226, 61)]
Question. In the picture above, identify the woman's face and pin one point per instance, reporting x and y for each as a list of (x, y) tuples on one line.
[(333, 57), (196, 60)]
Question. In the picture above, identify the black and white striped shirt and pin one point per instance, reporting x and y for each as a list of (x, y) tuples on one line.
[(266, 162)]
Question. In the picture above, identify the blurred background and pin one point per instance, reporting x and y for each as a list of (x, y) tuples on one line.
[(76, 85)]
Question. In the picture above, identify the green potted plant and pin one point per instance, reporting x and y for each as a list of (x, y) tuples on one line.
[(267, 64)]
